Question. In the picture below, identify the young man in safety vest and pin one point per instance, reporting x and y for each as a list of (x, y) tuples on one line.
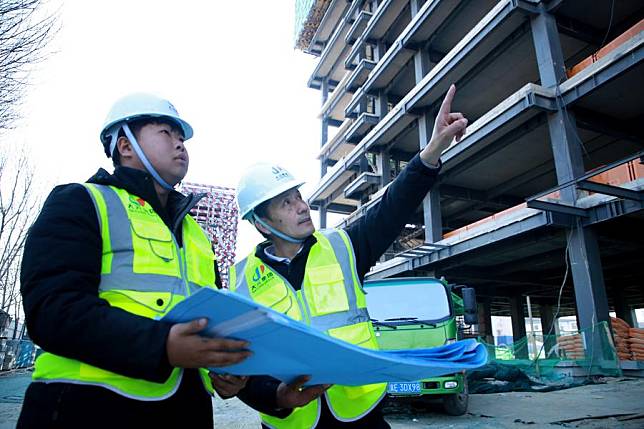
[(104, 261), (316, 277)]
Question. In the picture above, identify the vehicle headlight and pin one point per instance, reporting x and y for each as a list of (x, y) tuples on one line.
[(450, 341), (451, 384)]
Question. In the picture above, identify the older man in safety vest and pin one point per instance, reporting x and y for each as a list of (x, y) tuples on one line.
[(316, 277)]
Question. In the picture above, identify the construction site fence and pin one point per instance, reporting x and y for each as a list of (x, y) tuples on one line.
[(16, 354), (586, 353)]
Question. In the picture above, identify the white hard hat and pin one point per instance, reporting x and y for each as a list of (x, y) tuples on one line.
[(260, 183), (135, 106)]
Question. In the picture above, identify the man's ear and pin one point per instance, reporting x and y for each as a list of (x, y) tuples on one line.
[(126, 151), (261, 228)]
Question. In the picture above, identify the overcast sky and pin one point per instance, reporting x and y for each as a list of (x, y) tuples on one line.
[(229, 68)]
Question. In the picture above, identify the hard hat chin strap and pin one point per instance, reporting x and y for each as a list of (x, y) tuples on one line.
[(114, 136), (275, 232), (135, 144)]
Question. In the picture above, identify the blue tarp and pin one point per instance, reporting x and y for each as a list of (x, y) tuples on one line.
[(285, 348)]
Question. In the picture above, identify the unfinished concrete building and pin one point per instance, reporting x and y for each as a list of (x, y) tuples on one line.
[(218, 215), (546, 185)]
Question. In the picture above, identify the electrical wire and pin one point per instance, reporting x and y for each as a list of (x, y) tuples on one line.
[(561, 288), (561, 105), (610, 24), (559, 97)]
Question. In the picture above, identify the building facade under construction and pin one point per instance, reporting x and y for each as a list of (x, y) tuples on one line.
[(542, 200), (217, 214)]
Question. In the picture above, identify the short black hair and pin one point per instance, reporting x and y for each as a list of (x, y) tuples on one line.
[(135, 126), (261, 211)]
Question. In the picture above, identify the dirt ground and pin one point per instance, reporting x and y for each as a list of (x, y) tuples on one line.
[(617, 403)]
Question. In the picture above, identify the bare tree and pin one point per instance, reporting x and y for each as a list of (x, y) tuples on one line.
[(19, 205), (25, 29)]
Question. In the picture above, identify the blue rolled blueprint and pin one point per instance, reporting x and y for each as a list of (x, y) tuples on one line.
[(285, 348)]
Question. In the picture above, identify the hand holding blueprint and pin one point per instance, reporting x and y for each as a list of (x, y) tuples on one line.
[(285, 348)]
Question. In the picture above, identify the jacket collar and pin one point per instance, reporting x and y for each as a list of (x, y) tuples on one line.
[(141, 184), (260, 252)]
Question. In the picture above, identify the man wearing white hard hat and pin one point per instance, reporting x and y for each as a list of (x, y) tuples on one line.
[(104, 261), (316, 277)]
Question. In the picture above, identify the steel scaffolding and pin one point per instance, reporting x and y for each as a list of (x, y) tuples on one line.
[(550, 173), (217, 214)]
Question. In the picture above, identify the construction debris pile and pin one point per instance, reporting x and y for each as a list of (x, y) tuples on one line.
[(15, 353), (217, 214)]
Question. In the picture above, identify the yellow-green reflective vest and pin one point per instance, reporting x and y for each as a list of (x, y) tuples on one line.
[(143, 271), (331, 299)]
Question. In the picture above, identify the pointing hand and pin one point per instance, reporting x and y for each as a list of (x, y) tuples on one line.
[(447, 127)]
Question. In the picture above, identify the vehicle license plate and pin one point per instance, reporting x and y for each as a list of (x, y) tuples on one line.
[(404, 388)]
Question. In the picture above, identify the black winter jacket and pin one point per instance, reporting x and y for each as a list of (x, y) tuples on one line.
[(370, 236), (64, 315)]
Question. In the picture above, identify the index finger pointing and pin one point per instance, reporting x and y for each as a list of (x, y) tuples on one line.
[(446, 106)]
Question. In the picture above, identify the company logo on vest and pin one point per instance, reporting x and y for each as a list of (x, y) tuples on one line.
[(260, 278), (138, 204)]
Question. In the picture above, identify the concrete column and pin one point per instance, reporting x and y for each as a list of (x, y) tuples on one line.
[(324, 90), (381, 105), (485, 320), (379, 50), (623, 309), (363, 164), (415, 6), (549, 331), (324, 126), (384, 169), (432, 217), (485, 323), (324, 136), (518, 325), (323, 216), (381, 99), (590, 293)]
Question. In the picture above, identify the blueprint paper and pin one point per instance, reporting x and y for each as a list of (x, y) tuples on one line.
[(285, 348)]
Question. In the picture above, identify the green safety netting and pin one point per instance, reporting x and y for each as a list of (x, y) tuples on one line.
[(457, 302), (548, 362)]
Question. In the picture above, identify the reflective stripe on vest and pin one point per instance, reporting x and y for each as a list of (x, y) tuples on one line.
[(144, 272), (332, 300)]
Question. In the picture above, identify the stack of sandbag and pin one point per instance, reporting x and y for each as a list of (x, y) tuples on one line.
[(571, 346), (621, 334), (636, 342)]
